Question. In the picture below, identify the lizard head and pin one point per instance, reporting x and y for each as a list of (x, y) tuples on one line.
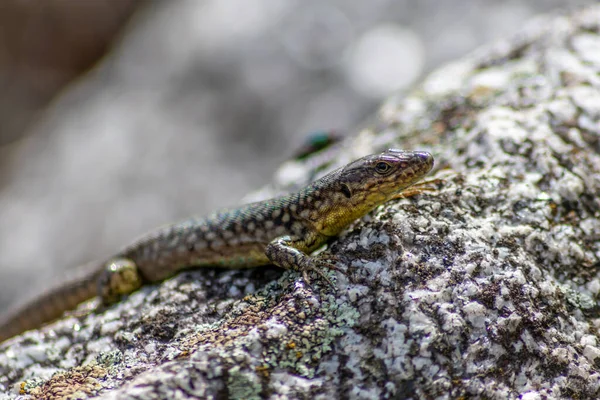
[(368, 182), (379, 177)]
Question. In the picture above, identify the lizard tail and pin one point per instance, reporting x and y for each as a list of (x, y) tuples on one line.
[(51, 304)]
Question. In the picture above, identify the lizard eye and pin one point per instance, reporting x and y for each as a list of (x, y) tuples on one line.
[(382, 167)]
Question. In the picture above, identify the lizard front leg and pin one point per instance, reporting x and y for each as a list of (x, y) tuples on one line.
[(284, 253)]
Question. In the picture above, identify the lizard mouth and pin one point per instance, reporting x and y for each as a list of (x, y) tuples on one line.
[(419, 163)]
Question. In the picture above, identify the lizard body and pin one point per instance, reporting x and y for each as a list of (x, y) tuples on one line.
[(281, 231)]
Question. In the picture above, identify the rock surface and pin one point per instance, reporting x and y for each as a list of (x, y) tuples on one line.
[(487, 287)]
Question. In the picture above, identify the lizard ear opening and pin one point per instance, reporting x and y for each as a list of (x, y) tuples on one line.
[(346, 190)]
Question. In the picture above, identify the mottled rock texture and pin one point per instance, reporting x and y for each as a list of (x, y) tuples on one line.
[(487, 287)]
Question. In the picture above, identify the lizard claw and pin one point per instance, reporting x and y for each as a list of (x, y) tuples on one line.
[(324, 277), (319, 272), (328, 257), (325, 263)]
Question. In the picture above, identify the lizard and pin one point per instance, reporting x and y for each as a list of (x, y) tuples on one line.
[(283, 231)]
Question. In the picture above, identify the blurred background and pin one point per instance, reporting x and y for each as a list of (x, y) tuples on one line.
[(120, 115)]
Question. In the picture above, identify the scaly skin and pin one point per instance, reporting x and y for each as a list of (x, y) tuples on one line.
[(281, 231)]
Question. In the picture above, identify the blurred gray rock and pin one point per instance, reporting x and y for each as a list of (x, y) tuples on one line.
[(486, 288), (46, 44)]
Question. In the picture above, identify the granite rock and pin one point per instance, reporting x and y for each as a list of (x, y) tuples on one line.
[(486, 287)]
